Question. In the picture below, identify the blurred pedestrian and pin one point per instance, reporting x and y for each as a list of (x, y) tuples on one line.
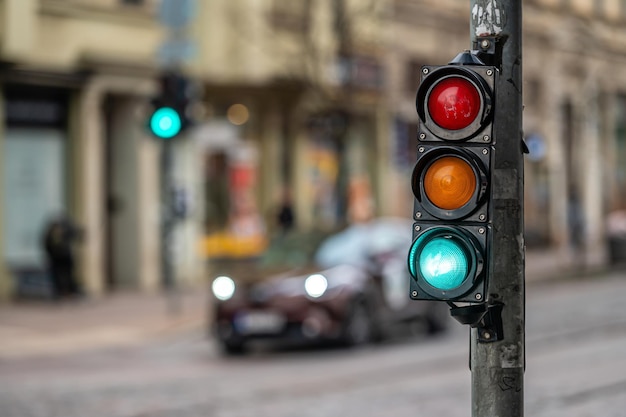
[(284, 216), (576, 225), (60, 235)]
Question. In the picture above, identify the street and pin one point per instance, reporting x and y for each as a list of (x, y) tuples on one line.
[(576, 339)]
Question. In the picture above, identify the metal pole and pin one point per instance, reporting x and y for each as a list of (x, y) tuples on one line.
[(167, 227), (166, 216), (498, 367)]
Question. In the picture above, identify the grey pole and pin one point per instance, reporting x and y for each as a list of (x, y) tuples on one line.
[(498, 367)]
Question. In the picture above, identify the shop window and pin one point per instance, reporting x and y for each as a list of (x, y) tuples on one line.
[(620, 153), (34, 170)]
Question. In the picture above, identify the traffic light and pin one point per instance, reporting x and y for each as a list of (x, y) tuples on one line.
[(452, 181), (165, 122), (169, 113)]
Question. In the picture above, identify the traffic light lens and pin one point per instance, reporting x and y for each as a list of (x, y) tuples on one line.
[(443, 263), (165, 122), (454, 103), (449, 183)]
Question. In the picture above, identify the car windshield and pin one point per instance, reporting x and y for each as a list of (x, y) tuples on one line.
[(357, 243), (292, 250), (353, 245)]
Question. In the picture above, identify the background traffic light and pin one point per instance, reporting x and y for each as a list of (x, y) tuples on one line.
[(450, 254), (165, 122), (169, 114)]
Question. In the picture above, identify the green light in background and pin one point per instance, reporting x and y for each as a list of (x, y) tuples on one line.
[(165, 123)]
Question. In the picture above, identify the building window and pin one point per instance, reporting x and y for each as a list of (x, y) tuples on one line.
[(620, 154), (532, 93), (598, 8), (404, 145), (291, 15), (413, 76)]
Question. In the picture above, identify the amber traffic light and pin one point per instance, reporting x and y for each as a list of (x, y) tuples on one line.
[(449, 182)]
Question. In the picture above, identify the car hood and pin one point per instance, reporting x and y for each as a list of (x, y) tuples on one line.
[(264, 283), (254, 275)]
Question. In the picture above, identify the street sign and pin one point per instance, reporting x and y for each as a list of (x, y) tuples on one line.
[(176, 14), (173, 51)]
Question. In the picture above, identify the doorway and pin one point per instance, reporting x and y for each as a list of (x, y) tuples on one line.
[(121, 191)]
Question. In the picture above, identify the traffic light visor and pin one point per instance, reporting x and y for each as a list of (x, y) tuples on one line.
[(165, 123), (449, 182), (454, 103)]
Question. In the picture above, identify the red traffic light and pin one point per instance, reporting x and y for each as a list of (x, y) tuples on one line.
[(454, 103)]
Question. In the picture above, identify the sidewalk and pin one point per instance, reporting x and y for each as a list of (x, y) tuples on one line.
[(46, 328), (33, 328), (550, 264)]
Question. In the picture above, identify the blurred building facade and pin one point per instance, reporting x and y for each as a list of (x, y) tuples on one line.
[(307, 101), (573, 117), (74, 75)]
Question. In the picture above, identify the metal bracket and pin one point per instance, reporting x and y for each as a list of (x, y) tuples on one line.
[(487, 318), (490, 327), (484, 47)]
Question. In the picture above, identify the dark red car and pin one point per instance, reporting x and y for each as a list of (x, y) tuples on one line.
[(350, 287)]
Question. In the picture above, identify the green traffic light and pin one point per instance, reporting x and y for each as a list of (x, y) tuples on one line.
[(443, 263), (440, 259), (165, 123)]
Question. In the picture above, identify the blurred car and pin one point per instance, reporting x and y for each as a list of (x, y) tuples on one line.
[(350, 287)]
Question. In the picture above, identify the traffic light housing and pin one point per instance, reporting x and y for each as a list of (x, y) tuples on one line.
[(449, 259), (169, 115)]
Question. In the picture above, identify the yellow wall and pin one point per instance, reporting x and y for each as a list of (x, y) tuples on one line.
[(62, 34)]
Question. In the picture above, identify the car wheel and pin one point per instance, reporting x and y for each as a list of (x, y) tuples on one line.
[(357, 328), (233, 348)]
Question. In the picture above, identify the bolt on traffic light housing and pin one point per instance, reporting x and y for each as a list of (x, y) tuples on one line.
[(449, 259)]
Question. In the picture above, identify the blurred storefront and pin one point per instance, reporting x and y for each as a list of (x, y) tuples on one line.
[(34, 175), (72, 147), (234, 226)]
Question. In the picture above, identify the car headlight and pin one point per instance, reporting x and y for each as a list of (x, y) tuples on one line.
[(316, 285), (223, 288)]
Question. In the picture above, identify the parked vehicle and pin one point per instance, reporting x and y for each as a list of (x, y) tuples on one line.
[(350, 287)]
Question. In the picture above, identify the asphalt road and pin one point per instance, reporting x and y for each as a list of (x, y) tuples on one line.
[(576, 367)]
